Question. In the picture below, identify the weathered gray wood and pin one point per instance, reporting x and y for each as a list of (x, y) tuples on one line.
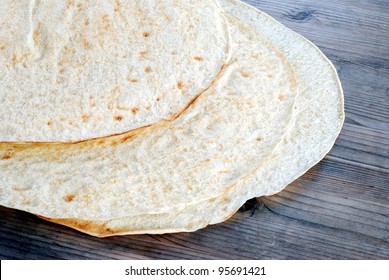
[(338, 210)]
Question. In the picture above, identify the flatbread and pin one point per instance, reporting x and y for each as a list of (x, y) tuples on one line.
[(77, 70), (221, 139), (318, 120)]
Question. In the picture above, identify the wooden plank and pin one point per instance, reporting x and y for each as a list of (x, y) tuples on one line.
[(353, 26), (338, 210), (268, 234)]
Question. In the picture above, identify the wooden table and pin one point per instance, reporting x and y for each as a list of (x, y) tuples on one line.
[(338, 210)]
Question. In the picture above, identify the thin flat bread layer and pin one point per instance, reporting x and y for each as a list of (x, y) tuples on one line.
[(77, 70), (223, 137), (319, 116)]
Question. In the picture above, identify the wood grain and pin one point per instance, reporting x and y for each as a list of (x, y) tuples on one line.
[(338, 210)]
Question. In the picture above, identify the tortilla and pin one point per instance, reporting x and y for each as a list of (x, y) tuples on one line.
[(221, 139), (317, 122), (77, 70)]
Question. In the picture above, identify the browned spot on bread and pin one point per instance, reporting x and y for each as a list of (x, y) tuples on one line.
[(26, 202), (69, 197), (86, 22), (105, 19), (244, 74), (61, 71), (69, 3), (91, 101), (35, 36), (258, 139), (133, 80), (21, 189), (106, 22), (269, 75), (6, 156), (14, 59), (146, 34), (158, 99), (118, 118), (148, 69), (86, 44), (180, 85), (189, 225), (142, 54), (2, 45), (226, 200), (198, 58), (127, 137), (85, 118), (95, 228), (49, 123), (134, 111), (147, 108), (281, 97), (117, 8)]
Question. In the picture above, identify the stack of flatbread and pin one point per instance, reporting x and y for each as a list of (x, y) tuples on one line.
[(126, 117)]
